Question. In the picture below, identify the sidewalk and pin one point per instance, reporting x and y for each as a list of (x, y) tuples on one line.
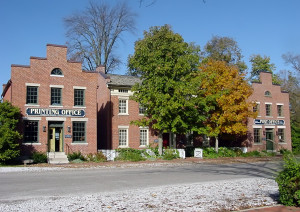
[(277, 208)]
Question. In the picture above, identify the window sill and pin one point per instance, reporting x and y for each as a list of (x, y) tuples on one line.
[(143, 146), (52, 75), (56, 106), (141, 114), (280, 117), (123, 146), (123, 114), (79, 143), (257, 144), (31, 105), (79, 106), (282, 143), (31, 144)]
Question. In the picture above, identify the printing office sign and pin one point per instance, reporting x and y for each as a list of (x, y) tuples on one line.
[(269, 121), (55, 112)]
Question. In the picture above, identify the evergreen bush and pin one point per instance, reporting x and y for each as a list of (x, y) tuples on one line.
[(288, 181), (129, 154), (170, 154), (76, 155), (39, 157)]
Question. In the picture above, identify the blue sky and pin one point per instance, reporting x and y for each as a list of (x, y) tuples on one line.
[(266, 27)]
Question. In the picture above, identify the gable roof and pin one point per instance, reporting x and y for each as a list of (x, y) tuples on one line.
[(123, 80)]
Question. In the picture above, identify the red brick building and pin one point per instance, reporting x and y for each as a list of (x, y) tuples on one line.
[(271, 129), (117, 110), (66, 109), (58, 101)]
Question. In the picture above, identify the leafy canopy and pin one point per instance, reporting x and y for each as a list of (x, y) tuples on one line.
[(163, 59), (9, 136), (227, 92), (224, 49)]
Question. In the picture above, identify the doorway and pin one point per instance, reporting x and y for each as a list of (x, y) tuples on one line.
[(269, 139), (55, 140)]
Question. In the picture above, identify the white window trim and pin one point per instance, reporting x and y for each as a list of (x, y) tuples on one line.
[(268, 103), (56, 86), (257, 126), (80, 119), (126, 99), (279, 104), (127, 136), (33, 144), (32, 84), (55, 119), (281, 127), (53, 75), (147, 141), (78, 143), (32, 118), (79, 87), (272, 127)]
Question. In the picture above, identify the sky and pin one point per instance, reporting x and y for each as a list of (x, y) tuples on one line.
[(265, 27)]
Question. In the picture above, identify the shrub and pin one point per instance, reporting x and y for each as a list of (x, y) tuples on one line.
[(288, 181), (76, 155), (98, 157), (210, 152), (170, 154), (39, 157), (252, 154), (130, 154), (285, 151)]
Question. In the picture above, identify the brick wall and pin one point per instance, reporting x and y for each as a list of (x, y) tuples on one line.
[(38, 72)]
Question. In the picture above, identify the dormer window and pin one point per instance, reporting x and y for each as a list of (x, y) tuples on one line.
[(56, 72), (268, 93)]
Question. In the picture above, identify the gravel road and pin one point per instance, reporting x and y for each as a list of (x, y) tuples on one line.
[(210, 196)]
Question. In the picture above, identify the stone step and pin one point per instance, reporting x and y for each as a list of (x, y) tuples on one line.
[(57, 158)]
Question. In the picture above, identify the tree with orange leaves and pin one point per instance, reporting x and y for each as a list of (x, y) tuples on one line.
[(226, 90)]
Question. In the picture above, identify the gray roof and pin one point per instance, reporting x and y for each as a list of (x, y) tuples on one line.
[(123, 80)]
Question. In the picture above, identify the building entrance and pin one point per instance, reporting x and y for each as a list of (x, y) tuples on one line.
[(55, 140), (269, 139)]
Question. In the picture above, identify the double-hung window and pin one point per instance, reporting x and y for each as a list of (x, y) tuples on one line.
[(123, 106), (280, 110), (257, 135), (78, 97), (32, 95), (123, 136), (143, 137), (31, 130), (256, 108), (79, 132), (268, 109), (281, 135), (56, 96), (142, 109)]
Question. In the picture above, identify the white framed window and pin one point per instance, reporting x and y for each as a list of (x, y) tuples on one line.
[(256, 108), (144, 141), (257, 135), (142, 109), (268, 109), (281, 135), (280, 110), (123, 106), (123, 90), (123, 136)]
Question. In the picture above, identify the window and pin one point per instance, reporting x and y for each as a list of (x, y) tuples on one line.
[(268, 109), (78, 97), (281, 135), (123, 90), (268, 93), (55, 96), (79, 131), (56, 71), (256, 108), (31, 131), (143, 137), (142, 109), (123, 137), (122, 106), (32, 95), (280, 110), (256, 135)]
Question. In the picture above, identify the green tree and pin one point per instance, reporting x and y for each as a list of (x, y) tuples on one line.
[(260, 64), (226, 91), (290, 83), (224, 49), (9, 136), (163, 60)]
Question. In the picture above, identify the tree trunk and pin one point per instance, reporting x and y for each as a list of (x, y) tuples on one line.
[(216, 144), (160, 143)]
